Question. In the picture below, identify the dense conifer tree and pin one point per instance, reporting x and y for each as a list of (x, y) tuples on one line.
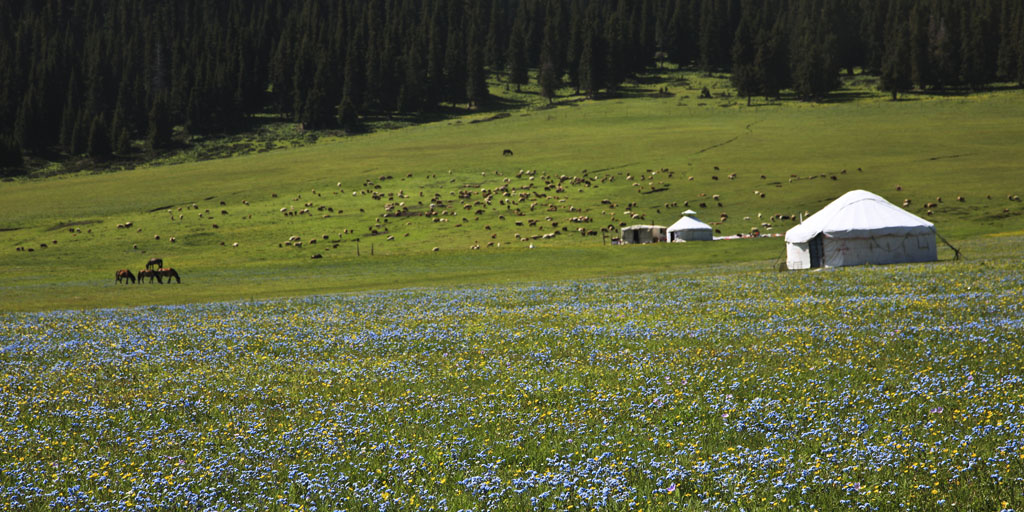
[(158, 135), (896, 76), (744, 69), (592, 57), (11, 160), (496, 38), (99, 139), (517, 66), (216, 64)]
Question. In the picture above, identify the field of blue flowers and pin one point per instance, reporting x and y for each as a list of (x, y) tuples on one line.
[(874, 388)]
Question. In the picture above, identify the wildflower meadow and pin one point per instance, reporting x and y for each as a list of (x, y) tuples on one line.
[(873, 388)]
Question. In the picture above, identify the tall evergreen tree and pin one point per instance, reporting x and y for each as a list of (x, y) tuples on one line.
[(592, 58), (771, 60), (11, 160), (435, 58), (455, 66), (412, 96), (476, 77), (615, 52), (920, 58), (99, 139), (355, 67), (814, 64), (977, 70), (517, 64), (744, 69), (896, 76), (317, 111), (496, 39)]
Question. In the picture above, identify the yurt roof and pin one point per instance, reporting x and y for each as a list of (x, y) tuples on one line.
[(859, 214), (644, 226), (688, 223)]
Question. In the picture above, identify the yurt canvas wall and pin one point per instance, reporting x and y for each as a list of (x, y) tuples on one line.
[(858, 228), (642, 234), (688, 229)]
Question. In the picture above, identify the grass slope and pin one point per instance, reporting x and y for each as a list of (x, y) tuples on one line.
[(929, 147)]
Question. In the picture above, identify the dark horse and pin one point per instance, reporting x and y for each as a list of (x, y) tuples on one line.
[(151, 274), (168, 273), (124, 274), (154, 263)]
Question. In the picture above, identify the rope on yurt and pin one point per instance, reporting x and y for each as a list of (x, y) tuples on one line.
[(782, 256), (956, 252)]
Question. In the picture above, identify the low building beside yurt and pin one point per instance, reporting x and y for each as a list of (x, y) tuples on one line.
[(642, 234), (688, 229), (857, 228)]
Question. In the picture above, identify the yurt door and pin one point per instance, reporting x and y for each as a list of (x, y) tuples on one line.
[(817, 249)]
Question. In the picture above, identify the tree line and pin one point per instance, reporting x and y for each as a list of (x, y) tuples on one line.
[(92, 76)]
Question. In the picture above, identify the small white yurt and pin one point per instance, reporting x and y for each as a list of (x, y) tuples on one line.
[(857, 228), (688, 229), (642, 234)]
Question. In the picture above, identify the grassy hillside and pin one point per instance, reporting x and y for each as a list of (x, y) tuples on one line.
[(603, 162)]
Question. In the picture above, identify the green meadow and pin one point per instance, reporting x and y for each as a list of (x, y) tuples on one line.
[(593, 165)]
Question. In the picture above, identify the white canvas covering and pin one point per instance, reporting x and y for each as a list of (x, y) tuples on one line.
[(688, 228), (857, 228), (642, 234)]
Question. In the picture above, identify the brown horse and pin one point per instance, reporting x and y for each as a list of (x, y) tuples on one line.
[(154, 263), (151, 274), (124, 274), (168, 273)]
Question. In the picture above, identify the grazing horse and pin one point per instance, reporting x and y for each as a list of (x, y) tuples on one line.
[(168, 273), (151, 274), (507, 152), (124, 274), (154, 263)]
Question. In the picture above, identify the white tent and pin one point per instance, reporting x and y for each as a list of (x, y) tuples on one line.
[(858, 228), (688, 228), (642, 234)]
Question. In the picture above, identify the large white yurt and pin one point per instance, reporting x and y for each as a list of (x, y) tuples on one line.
[(857, 228), (688, 229)]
